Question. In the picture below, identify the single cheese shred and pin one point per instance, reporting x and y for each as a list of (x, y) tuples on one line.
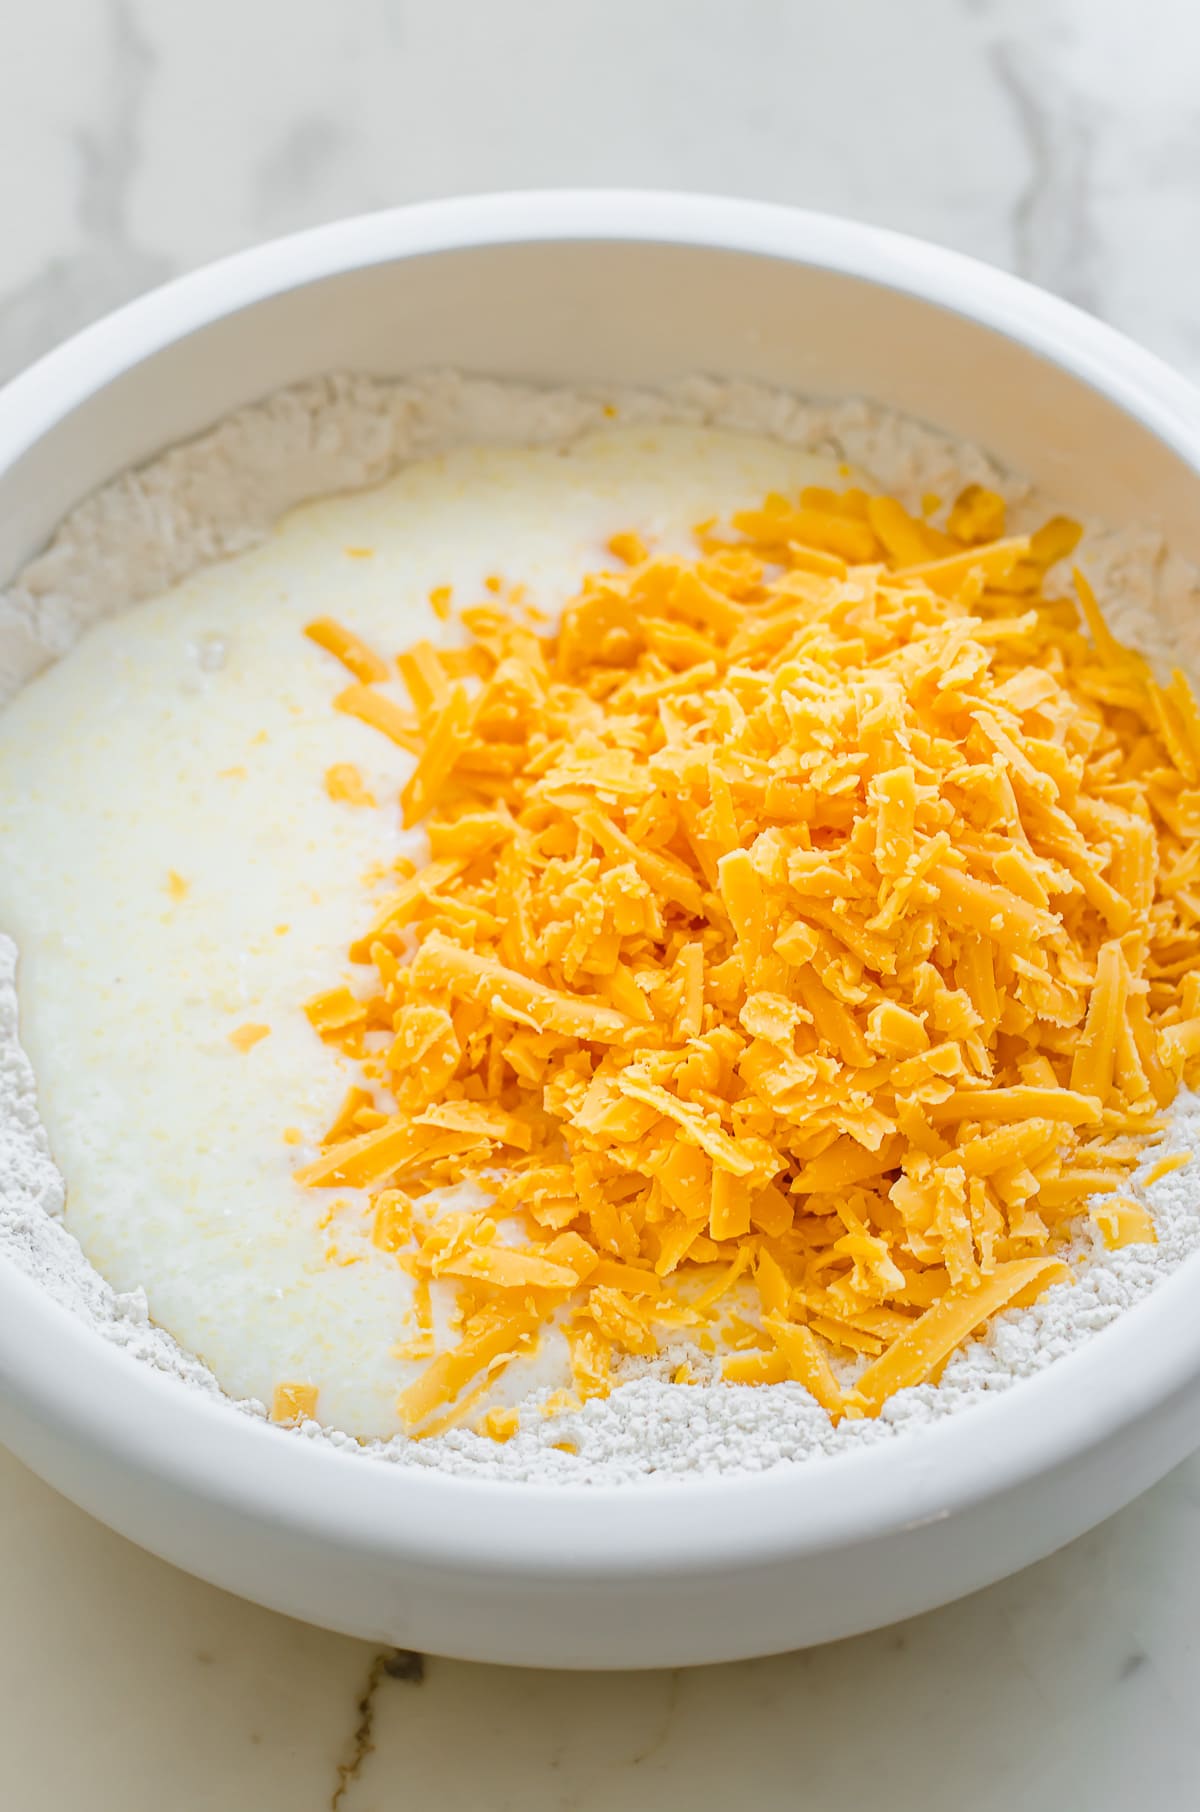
[(809, 936)]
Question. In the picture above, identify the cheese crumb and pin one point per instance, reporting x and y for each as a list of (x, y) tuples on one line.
[(294, 1402), (501, 1424), (244, 1038), (344, 782)]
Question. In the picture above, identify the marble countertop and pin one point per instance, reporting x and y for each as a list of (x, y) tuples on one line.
[(1060, 138)]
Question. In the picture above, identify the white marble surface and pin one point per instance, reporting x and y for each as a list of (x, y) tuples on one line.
[(1058, 137)]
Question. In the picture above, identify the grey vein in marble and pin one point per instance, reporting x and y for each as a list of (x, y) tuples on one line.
[(1054, 241), (105, 267)]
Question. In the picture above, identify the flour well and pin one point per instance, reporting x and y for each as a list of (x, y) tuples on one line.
[(223, 493)]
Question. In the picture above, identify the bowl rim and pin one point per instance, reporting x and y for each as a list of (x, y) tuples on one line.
[(113, 1406)]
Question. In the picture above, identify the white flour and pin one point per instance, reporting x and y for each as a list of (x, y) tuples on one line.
[(221, 494)]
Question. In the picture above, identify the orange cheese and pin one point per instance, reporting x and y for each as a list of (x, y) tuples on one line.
[(496, 1335), (354, 654), (294, 1402), (1163, 1167), (501, 1424), (244, 1038), (920, 1352), (344, 782), (1123, 1221), (627, 546), (805, 940)]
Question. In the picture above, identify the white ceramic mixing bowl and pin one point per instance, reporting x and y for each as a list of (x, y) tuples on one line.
[(629, 288)]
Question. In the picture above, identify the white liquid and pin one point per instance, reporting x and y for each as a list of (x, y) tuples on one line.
[(193, 734)]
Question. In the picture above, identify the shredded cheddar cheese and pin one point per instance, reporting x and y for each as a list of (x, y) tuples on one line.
[(1163, 1166), (354, 655), (244, 1038), (344, 782), (814, 917), (294, 1402), (501, 1424), (1123, 1221)]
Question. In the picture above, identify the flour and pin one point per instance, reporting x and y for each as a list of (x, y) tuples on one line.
[(221, 494)]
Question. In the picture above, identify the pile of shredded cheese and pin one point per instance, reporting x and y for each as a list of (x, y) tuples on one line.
[(811, 928)]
